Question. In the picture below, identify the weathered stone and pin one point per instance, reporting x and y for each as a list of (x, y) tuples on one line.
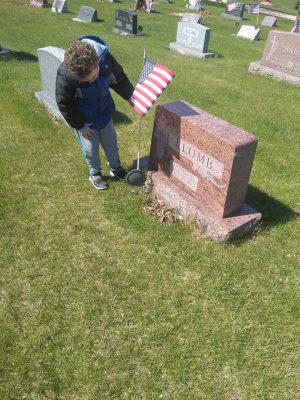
[(281, 57), (203, 165)]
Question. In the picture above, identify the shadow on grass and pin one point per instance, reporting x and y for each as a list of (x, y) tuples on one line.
[(120, 118), (22, 55), (273, 211)]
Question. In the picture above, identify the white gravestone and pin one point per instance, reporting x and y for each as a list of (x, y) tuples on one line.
[(249, 32), (50, 58)]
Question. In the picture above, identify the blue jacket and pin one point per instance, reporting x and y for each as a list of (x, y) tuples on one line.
[(82, 103)]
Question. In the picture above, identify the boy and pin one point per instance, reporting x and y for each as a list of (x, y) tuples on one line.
[(83, 97)]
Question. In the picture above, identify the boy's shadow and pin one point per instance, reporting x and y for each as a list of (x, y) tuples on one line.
[(120, 118)]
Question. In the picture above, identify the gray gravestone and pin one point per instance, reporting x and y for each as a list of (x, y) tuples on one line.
[(249, 32), (269, 21), (126, 23), (194, 5), (190, 17), (39, 3), (50, 59), (234, 10), (192, 39), (59, 6), (86, 14)]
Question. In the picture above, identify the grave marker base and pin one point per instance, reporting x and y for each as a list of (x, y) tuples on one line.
[(124, 33), (174, 46), (257, 68), (218, 228)]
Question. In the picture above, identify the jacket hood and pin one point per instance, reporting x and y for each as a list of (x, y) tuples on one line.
[(99, 45)]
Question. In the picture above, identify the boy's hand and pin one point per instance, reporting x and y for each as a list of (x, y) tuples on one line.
[(86, 131)]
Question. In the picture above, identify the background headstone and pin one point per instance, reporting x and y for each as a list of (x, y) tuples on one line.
[(192, 39), (190, 17), (249, 32), (39, 3), (86, 14), (269, 21), (126, 23), (193, 5), (59, 6), (236, 13), (50, 58), (202, 168), (281, 57)]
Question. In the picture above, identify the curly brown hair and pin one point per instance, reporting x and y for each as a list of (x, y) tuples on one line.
[(81, 58)]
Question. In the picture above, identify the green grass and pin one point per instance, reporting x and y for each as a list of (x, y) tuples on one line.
[(98, 300)]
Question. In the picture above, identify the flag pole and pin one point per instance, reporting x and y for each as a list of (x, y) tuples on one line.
[(140, 124), (257, 19)]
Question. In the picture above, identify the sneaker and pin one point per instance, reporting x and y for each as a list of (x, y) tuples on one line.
[(98, 181), (118, 173)]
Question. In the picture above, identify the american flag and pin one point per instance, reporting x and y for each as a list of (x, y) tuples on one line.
[(153, 81), (296, 28), (253, 9), (231, 7)]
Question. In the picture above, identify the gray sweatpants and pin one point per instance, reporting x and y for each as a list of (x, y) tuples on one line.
[(105, 137)]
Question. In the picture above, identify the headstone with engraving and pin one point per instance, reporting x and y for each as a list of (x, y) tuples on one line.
[(192, 39), (126, 23), (202, 168), (50, 59), (59, 6), (86, 14), (269, 21), (4, 52), (234, 10), (281, 57), (39, 3), (249, 32)]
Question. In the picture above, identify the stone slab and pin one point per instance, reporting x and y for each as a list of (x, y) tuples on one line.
[(39, 3), (50, 58), (249, 32), (269, 21), (208, 158), (4, 52), (216, 228), (60, 6), (257, 68), (174, 46), (126, 23), (236, 13), (86, 14), (282, 55)]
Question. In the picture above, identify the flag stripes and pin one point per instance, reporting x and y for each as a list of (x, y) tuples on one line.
[(153, 81)]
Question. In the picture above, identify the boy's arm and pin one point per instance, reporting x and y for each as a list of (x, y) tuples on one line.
[(121, 84), (65, 98)]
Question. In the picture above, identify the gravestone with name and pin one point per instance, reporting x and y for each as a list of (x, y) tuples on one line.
[(126, 23), (39, 3), (59, 6), (281, 57), (269, 21), (249, 32), (192, 39), (50, 59), (86, 14), (202, 167), (234, 10)]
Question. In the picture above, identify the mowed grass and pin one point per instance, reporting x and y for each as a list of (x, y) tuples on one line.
[(100, 300)]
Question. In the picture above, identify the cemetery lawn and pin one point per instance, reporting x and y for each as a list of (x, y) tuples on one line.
[(287, 6), (100, 300)]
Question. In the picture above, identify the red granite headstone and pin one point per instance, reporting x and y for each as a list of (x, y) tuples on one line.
[(205, 160), (281, 57)]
